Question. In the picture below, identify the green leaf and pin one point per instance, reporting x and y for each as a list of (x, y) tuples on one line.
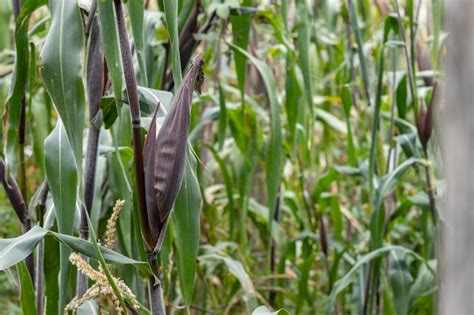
[(401, 280), (62, 58), (210, 115), (111, 49), (332, 121), (389, 181), (87, 248), (136, 10), (360, 47), (346, 280), (187, 227), (236, 268), (184, 12), (347, 103), (386, 185), (62, 179), (171, 13), (304, 40), (16, 249), (27, 292), (148, 98), (222, 117), (227, 179), (5, 14), (20, 73), (425, 282), (401, 97), (51, 271), (293, 94), (103, 265), (240, 36), (388, 24), (274, 147)]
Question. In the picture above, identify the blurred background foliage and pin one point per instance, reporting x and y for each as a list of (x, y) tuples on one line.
[(313, 177)]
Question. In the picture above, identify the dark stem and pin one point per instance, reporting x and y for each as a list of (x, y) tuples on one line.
[(132, 94), (16, 199), (16, 7), (30, 261), (95, 89), (39, 281), (273, 258), (155, 290), (39, 278), (367, 290), (21, 126), (21, 142), (378, 300), (186, 46), (431, 196), (91, 18)]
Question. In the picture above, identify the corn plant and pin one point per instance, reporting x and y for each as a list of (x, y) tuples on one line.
[(224, 157)]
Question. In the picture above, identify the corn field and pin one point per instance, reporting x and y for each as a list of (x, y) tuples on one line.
[(226, 156)]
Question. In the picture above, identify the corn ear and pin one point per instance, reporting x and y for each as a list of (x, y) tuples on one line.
[(165, 155)]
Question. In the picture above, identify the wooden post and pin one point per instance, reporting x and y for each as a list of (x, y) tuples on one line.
[(456, 125)]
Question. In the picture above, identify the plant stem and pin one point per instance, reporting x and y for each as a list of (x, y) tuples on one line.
[(273, 258), (132, 94), (16, 199), (40, 210), (95, 89), (22, 180), (21, 142), (431, 197), (360, 46), (30, 261), (16, 7), (22, 176), (155, 290), (95, 66), (409, 63)]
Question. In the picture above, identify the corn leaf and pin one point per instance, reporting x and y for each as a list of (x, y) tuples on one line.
[(186, 222), (347, 279), (136, 12), (20, 74), (62, 179), (111, 49), (240, 35), (274, 147), (171, 13), (27, 292), (62, 58)]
